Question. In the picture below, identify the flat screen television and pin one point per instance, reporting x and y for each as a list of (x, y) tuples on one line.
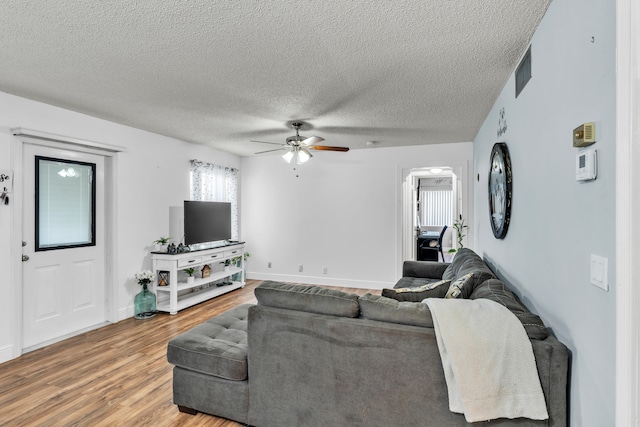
[(206, 221)]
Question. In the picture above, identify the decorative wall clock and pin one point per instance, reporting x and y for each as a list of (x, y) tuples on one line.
[(500, 189)]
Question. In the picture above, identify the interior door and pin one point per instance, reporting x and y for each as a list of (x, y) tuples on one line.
[(64, 245)]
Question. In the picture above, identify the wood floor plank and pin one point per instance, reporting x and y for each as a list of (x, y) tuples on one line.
[(117, 375)]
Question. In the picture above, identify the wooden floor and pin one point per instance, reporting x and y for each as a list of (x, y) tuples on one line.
[(117, 375)]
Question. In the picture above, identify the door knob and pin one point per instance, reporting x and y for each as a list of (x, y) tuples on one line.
[(25, 258)]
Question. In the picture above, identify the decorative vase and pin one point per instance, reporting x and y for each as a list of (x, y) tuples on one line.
[(161, 247), (226, 269), (144, 304), (191, 280)]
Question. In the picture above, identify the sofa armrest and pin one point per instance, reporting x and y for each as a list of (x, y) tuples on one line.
[(426, 269)]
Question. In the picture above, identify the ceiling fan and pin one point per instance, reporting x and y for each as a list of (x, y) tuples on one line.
[(298, 146)]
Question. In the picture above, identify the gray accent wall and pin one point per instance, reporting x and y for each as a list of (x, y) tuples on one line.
[(557, 223)]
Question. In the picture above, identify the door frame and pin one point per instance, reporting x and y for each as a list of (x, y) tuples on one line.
[(410, 198), (627, 212), (461, 169), (23, 136)]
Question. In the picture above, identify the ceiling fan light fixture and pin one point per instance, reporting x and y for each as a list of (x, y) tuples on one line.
[(298, 146), (302, 156), (288, 156)]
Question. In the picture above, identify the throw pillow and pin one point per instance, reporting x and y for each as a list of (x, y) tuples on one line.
[(418, 293), (461, 287)]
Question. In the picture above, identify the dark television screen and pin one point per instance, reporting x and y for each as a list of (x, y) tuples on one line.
[(206, 221)]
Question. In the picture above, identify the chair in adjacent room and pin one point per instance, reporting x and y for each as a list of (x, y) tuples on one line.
[(427, 247)]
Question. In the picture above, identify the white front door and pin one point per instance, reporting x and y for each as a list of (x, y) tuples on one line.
[(64, 247)]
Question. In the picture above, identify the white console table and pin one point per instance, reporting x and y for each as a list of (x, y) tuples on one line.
[(178, 295)]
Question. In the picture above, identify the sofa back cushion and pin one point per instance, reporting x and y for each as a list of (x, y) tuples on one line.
[(312, 299), (376, 307), (464, 262), (497, 291)]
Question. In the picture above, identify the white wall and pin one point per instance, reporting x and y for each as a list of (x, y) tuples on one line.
[(556, 222), (341, 212), (152, 175)]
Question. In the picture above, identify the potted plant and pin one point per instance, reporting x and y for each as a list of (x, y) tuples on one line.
[(190, 272), (246, 256), (161, 244), (145, 301), (227, 264), (459, 226)]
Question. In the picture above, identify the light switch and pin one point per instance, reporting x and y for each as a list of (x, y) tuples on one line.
[(599, 272)]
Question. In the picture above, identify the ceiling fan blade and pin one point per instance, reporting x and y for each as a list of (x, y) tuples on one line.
[(312, 140), (329, 148), (265, 142), (269, 151)]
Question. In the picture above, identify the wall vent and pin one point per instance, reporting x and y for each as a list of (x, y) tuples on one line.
[(523, 72)]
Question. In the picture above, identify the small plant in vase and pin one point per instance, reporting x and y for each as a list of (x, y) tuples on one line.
[(227, 264), (145, 301), (459, 226), (161, 244), (190, 272)]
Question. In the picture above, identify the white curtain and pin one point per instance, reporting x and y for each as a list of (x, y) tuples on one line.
[(215, 183)]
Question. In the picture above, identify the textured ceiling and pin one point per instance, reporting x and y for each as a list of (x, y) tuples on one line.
[(222, 73)]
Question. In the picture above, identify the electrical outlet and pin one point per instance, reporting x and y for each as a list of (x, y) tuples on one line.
[(324, 270), (269, 264), (300, 268)]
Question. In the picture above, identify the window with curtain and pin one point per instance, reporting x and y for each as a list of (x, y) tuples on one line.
[(436, 201), (214, 183)]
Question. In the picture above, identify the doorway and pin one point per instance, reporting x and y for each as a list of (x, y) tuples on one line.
[(424, 191)]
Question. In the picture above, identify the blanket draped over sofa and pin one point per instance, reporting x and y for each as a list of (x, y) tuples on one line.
[(489, 366)]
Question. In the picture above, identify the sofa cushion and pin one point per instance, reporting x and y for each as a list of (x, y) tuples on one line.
[(376, 307), (431, 289), (425, 269), (464, 262), (497, 291), (312, 299), (461, 287), (216, 347)]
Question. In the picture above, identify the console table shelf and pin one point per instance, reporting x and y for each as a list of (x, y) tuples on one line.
[(177, 295)]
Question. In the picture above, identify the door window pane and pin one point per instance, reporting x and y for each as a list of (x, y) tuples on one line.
[(65, 204)]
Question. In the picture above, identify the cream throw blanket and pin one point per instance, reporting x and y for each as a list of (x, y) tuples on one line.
[(487, 359)]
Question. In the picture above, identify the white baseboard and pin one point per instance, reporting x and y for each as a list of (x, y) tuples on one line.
[(125, 313), (64, 337), (318, 280), (6, 353)]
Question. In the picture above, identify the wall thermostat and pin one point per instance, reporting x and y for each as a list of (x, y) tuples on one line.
[(586, 165)]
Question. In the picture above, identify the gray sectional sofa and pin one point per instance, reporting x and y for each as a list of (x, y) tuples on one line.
[(311, 356)]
